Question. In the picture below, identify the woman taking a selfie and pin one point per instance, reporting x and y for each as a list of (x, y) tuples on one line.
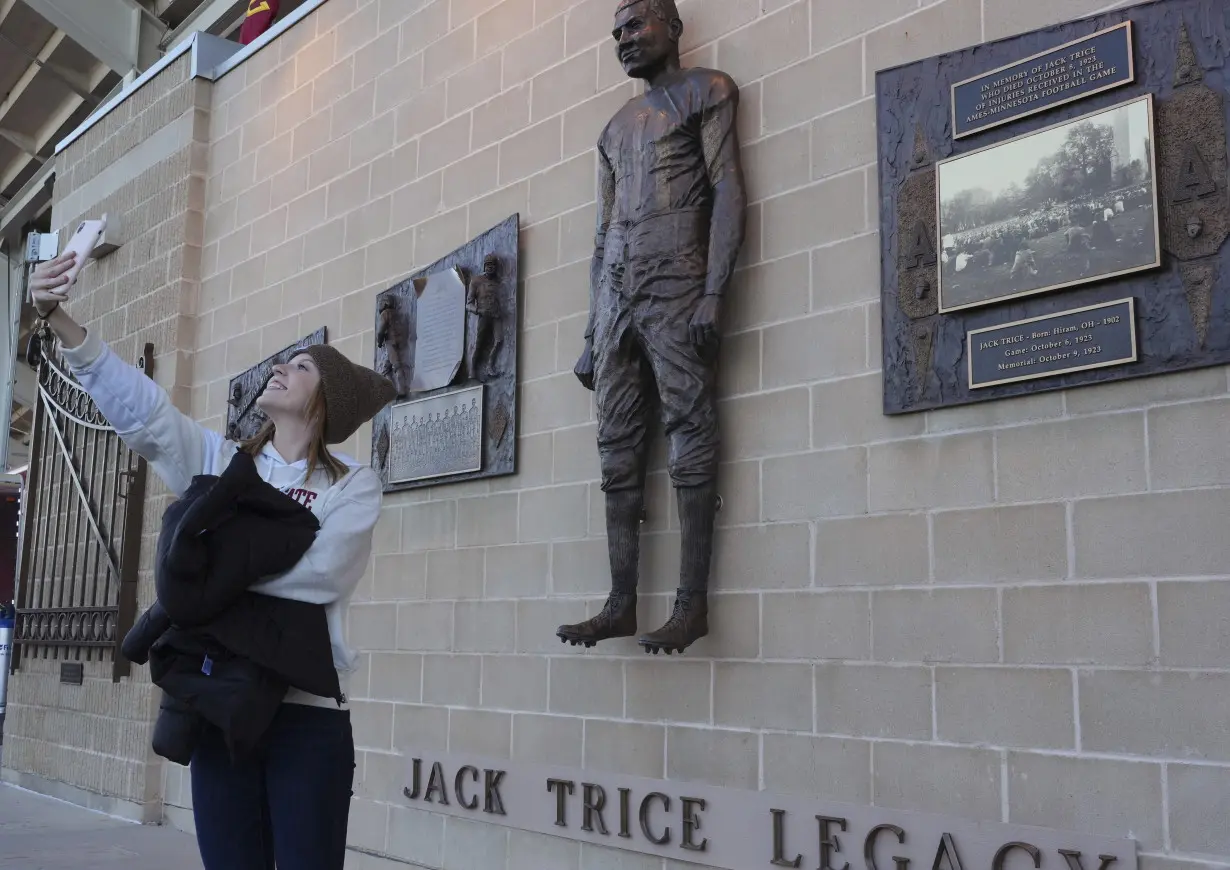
[(289, 803)]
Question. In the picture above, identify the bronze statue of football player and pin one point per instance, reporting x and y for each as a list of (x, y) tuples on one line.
[(671, 219)]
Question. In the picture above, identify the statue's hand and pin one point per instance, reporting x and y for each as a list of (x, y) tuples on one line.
[(703, 328), (584, 369)]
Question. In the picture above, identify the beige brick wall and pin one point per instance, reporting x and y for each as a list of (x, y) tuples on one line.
[(1011, 612), (143, 162)]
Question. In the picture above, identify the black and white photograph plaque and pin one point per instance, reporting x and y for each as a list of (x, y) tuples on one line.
[(1062, 206), (1055, 208), (447, 339)]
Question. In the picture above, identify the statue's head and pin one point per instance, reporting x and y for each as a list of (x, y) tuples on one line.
[(388, 303), (647, 35), (491, 265)]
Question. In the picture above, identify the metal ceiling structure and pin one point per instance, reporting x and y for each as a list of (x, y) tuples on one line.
[(61, 61)]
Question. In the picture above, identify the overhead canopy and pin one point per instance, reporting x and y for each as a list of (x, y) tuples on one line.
[(60, 61), (108, 29)]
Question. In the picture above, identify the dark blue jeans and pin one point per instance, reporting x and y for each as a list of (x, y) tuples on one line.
[(289, 803)]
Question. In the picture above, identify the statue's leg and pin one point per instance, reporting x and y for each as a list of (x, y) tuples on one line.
[(398, 374), (475, 352), (697, 517), (495, 339), (621, 383), (686, 380)]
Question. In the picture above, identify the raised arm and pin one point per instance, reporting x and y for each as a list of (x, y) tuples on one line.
[(140, 411)]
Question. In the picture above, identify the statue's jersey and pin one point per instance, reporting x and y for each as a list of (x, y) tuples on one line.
[(660, 157), (669, 227)]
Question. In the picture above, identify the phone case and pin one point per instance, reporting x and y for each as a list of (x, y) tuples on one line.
[(82, 244)]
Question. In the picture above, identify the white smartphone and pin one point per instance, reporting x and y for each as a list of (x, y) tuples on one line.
[(82, 244)]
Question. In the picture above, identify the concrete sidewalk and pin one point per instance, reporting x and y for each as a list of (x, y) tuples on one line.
[(40, 833)]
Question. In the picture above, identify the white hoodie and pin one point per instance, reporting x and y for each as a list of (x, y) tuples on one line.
[(177, 448)]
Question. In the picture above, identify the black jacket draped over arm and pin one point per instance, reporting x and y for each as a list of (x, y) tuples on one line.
[(221, 654)]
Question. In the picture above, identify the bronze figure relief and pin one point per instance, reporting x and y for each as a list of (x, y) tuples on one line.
[(447, 338), (244, 418), (1073, 178), (670, 225), (391, 338), (483, 304)]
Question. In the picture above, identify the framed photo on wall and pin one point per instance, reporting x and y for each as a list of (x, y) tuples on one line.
[(1066, 205)]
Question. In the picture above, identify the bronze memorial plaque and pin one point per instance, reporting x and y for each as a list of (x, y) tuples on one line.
[(1062, 75), (1079, 169), (439, 436), (439, 305), (447, 338), (1053, 344)]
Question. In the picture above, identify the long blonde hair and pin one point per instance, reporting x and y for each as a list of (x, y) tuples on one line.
[(318, 451)]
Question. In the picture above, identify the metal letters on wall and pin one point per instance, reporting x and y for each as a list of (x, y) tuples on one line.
[(736, 829), (447, 338), (1026, 238), (243, 418)]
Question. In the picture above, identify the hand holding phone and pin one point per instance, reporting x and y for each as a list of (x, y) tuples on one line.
[(49, 284), (82, 244)]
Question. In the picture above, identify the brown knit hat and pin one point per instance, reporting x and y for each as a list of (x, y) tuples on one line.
[(353, 394)]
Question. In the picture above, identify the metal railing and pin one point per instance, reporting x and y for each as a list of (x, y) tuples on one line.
[(81, 534)]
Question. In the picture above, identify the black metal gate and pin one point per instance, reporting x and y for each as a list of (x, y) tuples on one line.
[(81, 529)]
